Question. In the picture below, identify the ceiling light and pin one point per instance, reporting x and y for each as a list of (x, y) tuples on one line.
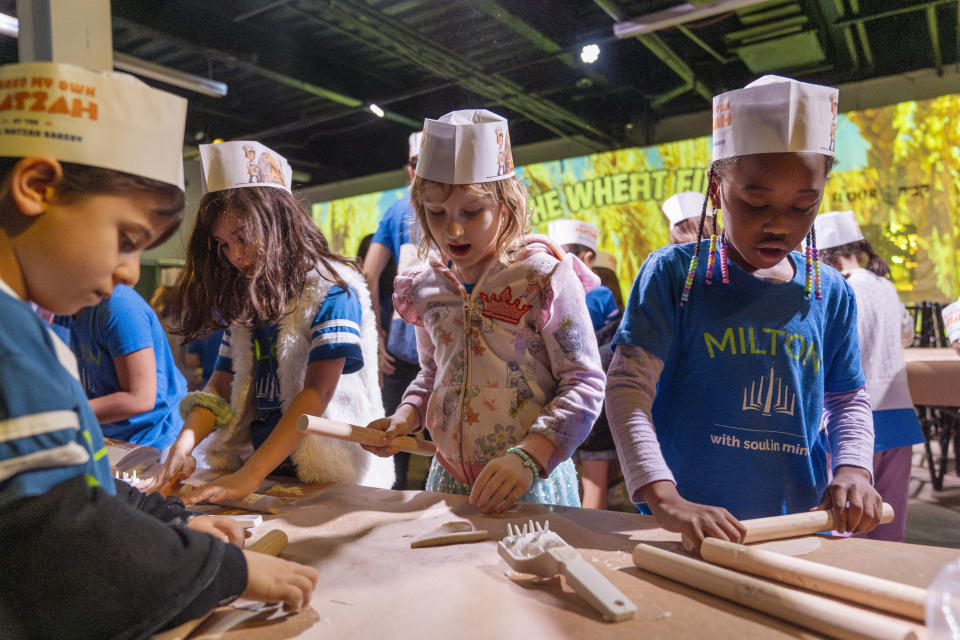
[(590, 53), (377, 111), (217, 140), (679, 14), (10, 26)]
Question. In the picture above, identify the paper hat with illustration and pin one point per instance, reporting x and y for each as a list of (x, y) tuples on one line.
[(605, 260), (775, 115), (242, 163), (465, 147), (836, 228), (574, 232), (413, 144), (100, 119), (951, 320), (681, 206)]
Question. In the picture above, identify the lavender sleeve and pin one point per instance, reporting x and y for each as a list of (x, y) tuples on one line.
[(631, 387), (849, 422)]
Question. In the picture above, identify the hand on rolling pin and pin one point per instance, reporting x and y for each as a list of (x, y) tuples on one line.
[(223, 529), (695, 521), (855, 504), (502, 482), (235, 486), (405, 420), (271, 579), (177, 467)]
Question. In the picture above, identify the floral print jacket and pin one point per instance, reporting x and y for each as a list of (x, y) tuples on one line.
[(516, 355)]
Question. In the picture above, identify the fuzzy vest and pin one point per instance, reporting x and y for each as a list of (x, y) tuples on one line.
[(357, 398)]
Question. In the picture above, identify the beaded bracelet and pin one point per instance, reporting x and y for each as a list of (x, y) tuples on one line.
[(210, 401), (527, 460)]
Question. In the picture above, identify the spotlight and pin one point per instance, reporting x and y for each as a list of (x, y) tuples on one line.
[(217, 140), (377, 111), (590, 53)]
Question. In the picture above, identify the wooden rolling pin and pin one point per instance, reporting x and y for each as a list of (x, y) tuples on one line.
[(362, 435), (878, 593), (826, 616), (789, 526)]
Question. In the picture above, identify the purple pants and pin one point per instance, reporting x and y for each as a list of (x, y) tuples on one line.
[(891, 479)]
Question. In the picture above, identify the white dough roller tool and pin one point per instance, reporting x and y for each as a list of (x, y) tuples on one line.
[(536, 550)]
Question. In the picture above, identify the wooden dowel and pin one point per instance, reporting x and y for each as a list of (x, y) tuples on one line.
[(272, 543), (878, 593), (362, 435), (790, 526), (826, 616)]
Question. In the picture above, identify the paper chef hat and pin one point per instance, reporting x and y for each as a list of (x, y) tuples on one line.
[(466, 147), (242, 163), (100, 119), (413, 142), (774, 115), (681, 206), (574, 232), (605, 260), (836, 228), (951, 320)]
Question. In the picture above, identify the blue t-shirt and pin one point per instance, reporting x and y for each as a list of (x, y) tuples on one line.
[(746, 365), (207, 347), (396, 232), (48, 433), (336, 334), (118, 326), (602, 306)]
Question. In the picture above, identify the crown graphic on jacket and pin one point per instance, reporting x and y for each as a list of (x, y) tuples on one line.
[(502, 306)]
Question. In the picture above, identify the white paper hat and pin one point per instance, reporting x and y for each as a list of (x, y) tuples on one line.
[(774, 115), (242, 163), (413, 142), (605, 260), (466, 147), (574, 232), (684, 205), (836, 228), (100, 119), (951, 320)]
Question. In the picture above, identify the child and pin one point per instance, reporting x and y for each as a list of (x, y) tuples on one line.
[(510, 378), (580, 239), (683, 213), (884, 326), (722, 369), (127, 369), (201, 356), (84, 556), (301, 338)]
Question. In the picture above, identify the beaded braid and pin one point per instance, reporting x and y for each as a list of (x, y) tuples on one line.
[(692, 271), (813, 266), (724, 269)]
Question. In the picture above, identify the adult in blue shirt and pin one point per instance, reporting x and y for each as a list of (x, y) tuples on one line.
[(127, 369)]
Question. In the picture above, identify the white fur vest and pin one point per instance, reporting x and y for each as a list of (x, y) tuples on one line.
[(357, 399)]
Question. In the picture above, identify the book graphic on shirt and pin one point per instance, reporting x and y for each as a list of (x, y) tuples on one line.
[(769, 396)]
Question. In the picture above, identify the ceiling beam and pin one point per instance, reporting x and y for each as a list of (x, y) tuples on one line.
[(934, 27)]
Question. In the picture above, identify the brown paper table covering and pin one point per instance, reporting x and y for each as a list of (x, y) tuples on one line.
[(933, 376), (373, 585)]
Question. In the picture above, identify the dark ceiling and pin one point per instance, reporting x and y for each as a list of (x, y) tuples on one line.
[(301, 72)]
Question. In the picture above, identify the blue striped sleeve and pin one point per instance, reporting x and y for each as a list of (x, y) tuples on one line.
[(336, 329), (225, 356)]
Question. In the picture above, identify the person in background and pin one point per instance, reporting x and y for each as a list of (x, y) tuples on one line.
[(394, 247), (723, 367), (85, 555), (951, 324), (683, 214), (605, 266), (201, 357), (302, 337), (884, 327), (127, 369), (510, 380), (596, 452)]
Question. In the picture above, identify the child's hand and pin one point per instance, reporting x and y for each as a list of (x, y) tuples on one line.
[(235, 486), (271, 579), (221, 528), (177, 467), (502, 482), (856, 505), (401, 423), (695, 521)]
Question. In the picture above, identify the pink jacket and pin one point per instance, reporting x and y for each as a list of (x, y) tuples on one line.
[(525, 360)]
